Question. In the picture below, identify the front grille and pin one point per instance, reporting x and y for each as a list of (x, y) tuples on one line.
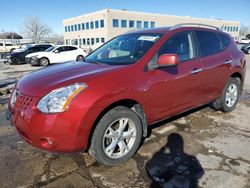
[(22, 102)]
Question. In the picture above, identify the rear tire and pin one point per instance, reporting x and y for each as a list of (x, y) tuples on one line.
[(229, 97), (116, 137), (44, 62)]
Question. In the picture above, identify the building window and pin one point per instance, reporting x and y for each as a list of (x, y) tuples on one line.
[(97, 40), (138, 24), (96, 24), (115, 23), (87, 25), (102, 23), (79, 27), (91, 25), (66, 29), (72, 28), (75, 27), (131, 23), (83, 26), (124, 23), (145, 24), (92, 41), (102, 40), (80, 42), (66, 41), (83, 41), (152, 24), (88, 41), (236, 29)]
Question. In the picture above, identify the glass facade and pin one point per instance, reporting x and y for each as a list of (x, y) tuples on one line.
[(138, 24), (115, 23), (96, 24), (124, 23), (145, 24), (102, 23), (131, 23)]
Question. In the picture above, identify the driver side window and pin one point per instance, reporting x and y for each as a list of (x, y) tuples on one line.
[(180, 44)]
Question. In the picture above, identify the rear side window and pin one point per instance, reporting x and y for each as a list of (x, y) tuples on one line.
[(209, 43), (225, 40), (69, 48)]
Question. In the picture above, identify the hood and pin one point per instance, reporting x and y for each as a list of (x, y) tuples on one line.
[(41, 82), (37, 54), (17, 53)]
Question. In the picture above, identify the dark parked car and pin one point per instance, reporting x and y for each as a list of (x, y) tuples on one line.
[(105, 104), (246, 48), (18, 57)]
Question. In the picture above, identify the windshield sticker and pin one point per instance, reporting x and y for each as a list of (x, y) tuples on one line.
[(149, 38)]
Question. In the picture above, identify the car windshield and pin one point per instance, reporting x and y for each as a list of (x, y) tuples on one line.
[(50, 49), (124, 49)]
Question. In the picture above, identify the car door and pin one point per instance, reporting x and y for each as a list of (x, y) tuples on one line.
[(176, 88), (58, 55), (71, 53), (214, 62)]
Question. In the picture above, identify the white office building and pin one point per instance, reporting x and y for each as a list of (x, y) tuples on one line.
[(101, 26)]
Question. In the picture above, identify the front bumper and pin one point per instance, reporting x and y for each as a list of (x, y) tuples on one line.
[(62, 132), (32, 61), (8, 115)]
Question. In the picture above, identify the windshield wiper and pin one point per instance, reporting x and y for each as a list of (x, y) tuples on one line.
[(94, 62)]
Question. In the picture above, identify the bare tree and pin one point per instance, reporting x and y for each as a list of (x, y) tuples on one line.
[(55, 38), (244, 30), (10, 35), (35, 29)]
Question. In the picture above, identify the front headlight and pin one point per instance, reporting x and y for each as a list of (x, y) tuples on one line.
[(59, 100), (13, 98), (34, 57)]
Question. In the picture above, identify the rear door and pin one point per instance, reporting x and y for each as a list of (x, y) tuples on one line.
[(215, 61), (176, 88), (70, 53)]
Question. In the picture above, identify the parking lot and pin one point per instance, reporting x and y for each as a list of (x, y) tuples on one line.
[(214, 143)]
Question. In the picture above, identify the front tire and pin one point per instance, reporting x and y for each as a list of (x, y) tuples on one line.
[(44, 62), (116, 137), (229, 97), (16, 61), (79, 58)]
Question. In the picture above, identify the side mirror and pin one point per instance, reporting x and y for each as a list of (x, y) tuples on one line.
[(56, 51), (166, 60)]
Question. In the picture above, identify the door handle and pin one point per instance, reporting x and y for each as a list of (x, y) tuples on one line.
[(195, 71), (228, 62)]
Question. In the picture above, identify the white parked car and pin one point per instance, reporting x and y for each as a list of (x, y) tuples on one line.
[(244, 41), (56, 54)]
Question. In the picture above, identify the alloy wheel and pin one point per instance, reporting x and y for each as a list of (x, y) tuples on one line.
[(119, 138)]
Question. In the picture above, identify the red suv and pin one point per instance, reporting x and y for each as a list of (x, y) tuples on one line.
[(105, 104)]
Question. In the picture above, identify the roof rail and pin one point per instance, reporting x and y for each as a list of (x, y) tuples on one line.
[(193, 24)]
